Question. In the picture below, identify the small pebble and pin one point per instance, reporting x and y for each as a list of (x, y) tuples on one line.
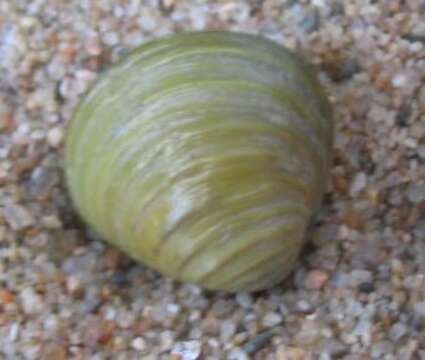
[(111, 38), (237, 354), (416, 193), (308, 334), (310, 20), (6, 297), (290, 353), (51, 222), (316, 279), (397, 332), (13, 332), (271, 319), (421, 151), (74, 286), (222, 308), (227, 330), (358, 276), (53, 351), (31, 301), (90, 304), (258, 342), (93, 46), (420, 309), (139, 344), (55, 137), (166, 339), (18, 217), (187, 350), (245, 300), (366, 287), (52, 324), (334, 348), (304, 307), (42, 180), (381, 348), (358, 184), (125, 319), (399, 80)]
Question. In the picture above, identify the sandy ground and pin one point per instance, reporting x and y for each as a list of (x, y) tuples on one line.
[(359, 290)]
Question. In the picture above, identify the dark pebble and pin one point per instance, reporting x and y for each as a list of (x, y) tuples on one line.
[(345, 70), (403, 116), (258, 342), (310, 21), (42, 180), (366, 287), (90, 305), (119, 278), (334, 348)]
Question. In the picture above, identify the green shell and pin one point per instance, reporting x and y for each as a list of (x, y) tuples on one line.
[(204, 156)]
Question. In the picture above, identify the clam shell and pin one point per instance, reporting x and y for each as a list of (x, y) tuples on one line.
[(204, 156)]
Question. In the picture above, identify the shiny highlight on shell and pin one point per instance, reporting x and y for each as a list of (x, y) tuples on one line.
[(204, 156)]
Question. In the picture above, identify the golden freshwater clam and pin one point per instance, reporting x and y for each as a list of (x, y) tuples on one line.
[(204, 156)]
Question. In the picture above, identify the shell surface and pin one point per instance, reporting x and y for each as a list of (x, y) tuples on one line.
[(204, 156)]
